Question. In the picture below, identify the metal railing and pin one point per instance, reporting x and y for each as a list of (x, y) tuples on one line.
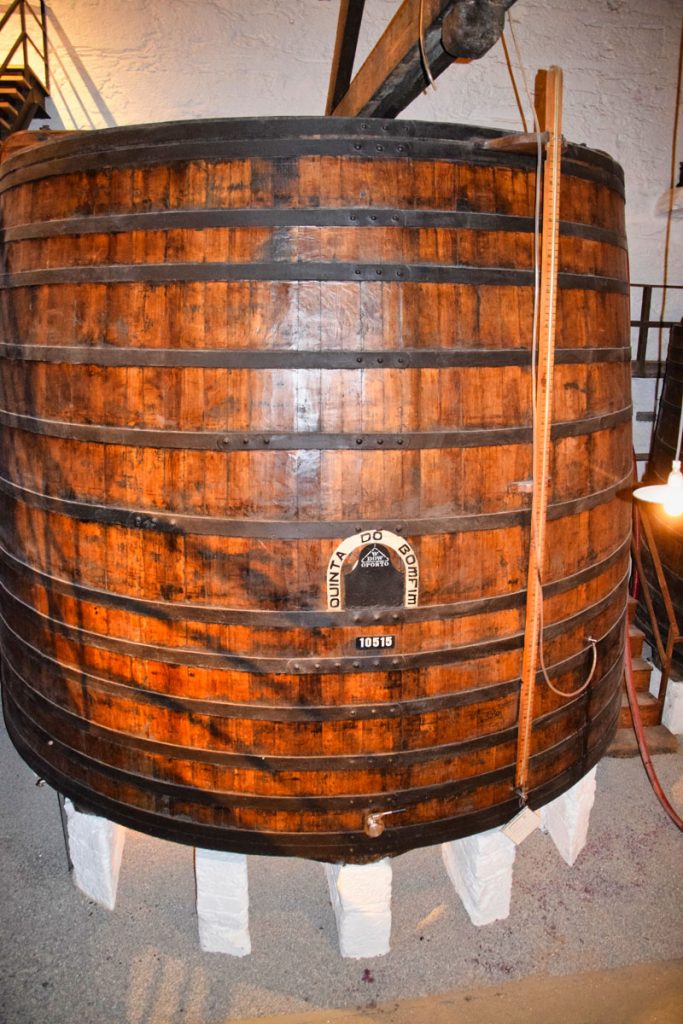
[(25, 45), (642, 367)]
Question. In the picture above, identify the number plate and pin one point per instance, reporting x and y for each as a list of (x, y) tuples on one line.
[(374, 643)]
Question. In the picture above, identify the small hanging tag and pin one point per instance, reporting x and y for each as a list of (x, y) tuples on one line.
[(522, 825)]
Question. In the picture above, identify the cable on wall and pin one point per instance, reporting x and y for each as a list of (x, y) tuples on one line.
[(669, 215)]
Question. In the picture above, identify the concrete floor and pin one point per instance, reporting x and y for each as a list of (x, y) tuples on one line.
[(596, 942)]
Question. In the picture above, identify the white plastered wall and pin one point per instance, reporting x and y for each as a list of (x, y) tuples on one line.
[(117, 62)]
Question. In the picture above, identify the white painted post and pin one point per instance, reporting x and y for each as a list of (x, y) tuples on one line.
[(480, 868), (95, 850), (222, 902), (672, 712), (361, 900), (655, 678), (566, 818)]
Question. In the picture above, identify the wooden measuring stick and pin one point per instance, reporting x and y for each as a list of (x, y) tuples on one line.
[(549, 110)]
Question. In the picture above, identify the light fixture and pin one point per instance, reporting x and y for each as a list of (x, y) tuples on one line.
[(671, 201), (670, 494)]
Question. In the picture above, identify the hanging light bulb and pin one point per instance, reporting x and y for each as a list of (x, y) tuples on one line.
[(669, 495), (673, 503)]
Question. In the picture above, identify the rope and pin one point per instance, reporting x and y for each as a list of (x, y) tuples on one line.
[(514, 83), (522, 68), (423, 52)]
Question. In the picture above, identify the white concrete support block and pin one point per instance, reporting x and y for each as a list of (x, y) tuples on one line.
[(361, 899), (672, 712), (95, 849), (222, 902), (566, 818), (480, 868)]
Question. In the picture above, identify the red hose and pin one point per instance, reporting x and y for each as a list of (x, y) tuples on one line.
[(640, 737)]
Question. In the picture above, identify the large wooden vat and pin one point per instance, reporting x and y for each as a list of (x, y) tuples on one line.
[(246, 366), (666, 530)]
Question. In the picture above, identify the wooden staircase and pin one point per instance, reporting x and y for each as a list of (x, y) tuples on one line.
[(649, 706), (24, 73), (22, 99), (659, 739)]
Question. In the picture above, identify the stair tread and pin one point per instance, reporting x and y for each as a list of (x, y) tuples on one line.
[(22, 99), (13, 119), (20, 71), (14, 81), (22, 82), (642, 671), (649, 709), (657, 737), (636, 637), (645, 700)]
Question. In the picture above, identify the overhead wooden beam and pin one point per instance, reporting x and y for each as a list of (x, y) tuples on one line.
[(393, 71), (348, 29), (394, 74)]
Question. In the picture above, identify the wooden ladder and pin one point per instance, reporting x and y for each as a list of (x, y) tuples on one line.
[(24, 72)]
